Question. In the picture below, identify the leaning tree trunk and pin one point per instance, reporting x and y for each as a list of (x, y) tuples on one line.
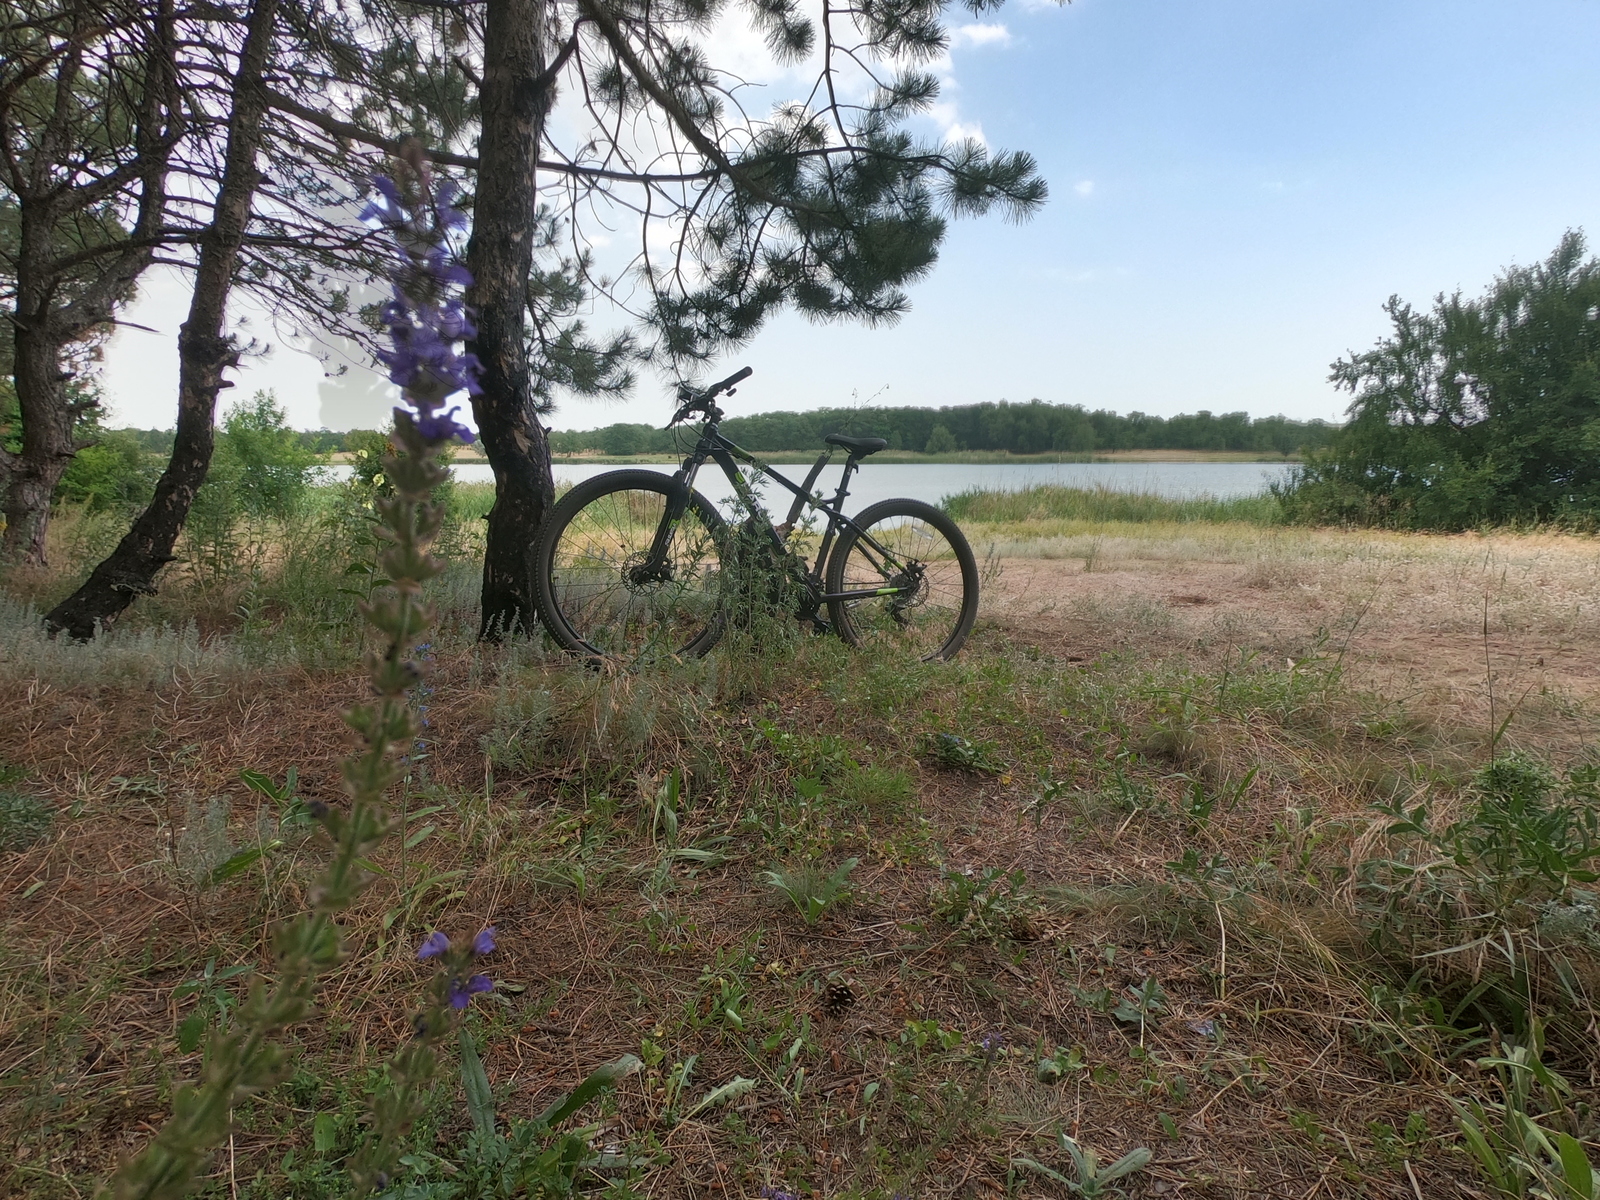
[(514, 99), (204, 354)]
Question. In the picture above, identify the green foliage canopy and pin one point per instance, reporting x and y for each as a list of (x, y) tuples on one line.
[(1477, 412), (114, 473)]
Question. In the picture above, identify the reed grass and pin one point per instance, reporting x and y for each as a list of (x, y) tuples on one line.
[(1051, 502)]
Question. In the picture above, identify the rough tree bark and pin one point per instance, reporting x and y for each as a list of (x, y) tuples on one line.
[(47, 422), (514, 98), (55, 307), (204, 354)]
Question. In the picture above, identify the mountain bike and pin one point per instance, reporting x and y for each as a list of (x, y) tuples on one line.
[(636, 564)]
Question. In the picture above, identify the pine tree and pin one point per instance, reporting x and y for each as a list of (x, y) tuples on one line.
[(90, 117), (822, 203)]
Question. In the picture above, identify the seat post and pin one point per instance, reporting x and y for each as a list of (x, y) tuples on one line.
[(851, 462)]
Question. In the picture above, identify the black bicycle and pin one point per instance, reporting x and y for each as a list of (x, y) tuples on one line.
[(636, 564)]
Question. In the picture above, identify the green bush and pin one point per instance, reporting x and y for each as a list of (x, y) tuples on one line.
[(260, 461), (114, 474), (261, 478), (1479, 412)]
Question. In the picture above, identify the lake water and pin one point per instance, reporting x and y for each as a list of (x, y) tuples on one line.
[(934, 481)]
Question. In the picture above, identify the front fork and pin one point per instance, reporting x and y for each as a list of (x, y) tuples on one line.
[(655, 565)]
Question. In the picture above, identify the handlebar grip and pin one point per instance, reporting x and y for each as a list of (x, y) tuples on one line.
[(716, 389)]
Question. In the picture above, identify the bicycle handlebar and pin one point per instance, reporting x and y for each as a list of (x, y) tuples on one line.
[(716, 389), (693, 401)]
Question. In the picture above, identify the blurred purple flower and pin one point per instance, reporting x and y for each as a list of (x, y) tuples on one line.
[(484, 943), (433, 945), (443, 427), (461, 994), (427, 316), (772, 1193), (992, 1044), (386, 209)]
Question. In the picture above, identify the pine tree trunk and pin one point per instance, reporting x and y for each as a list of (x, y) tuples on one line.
[(204, 354), (500, 257), (37, 374), (47, 443)]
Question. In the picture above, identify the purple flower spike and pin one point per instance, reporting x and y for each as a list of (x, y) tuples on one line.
[(427, 318), (441, 427), (461, 994), (484, 942), (433, 945)]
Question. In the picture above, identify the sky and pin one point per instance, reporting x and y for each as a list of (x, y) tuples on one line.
[(1236, 188)]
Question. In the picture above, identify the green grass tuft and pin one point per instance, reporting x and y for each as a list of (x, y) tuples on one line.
[(24, 819), (1048, 502)]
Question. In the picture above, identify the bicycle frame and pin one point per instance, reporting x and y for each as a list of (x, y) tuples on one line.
[(713, 446)]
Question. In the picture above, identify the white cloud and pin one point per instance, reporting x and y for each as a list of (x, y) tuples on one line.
[(1075, 275), (1084, 187), (980, 35), (1065, 274), (960, 132)]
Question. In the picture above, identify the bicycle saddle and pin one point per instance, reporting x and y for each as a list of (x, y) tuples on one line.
[(860, 447)]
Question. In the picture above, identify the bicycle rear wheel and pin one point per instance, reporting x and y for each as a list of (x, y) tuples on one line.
[(930, 564), (601, 596)]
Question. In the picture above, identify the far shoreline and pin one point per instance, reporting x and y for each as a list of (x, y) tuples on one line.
[(986, 457)]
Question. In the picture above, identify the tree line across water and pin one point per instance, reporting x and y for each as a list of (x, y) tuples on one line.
[(1031, 428)]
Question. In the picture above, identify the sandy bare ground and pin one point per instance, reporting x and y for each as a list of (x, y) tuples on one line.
[(1450, 624)]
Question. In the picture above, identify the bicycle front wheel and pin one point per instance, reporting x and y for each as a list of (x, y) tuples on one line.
[(917, 551), (604, 593)]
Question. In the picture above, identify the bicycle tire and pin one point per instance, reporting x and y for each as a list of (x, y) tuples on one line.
[(934, 623), (595, 535)]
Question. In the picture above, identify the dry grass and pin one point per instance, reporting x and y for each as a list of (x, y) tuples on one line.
[(1442, 622), (1107, 697)]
